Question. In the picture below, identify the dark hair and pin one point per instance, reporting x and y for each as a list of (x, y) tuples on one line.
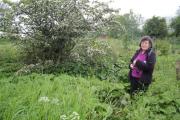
[(146, 38)]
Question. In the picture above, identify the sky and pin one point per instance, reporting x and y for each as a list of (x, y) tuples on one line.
[(147, 8)]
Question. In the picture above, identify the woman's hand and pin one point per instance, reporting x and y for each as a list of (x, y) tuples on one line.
[(134, 62), (131, 66)]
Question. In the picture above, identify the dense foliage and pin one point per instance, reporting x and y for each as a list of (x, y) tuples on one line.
[(175, 24), (155, 27), (70, 75), (125, 25), (64, 97), (51, 27)]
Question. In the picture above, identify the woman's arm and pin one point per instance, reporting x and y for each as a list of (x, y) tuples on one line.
[(132, 59), (149, 65)]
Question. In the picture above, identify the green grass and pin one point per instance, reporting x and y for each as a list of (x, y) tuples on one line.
[(20, 98), (8, 51), (47, 96), (9, 58), (162, 101)]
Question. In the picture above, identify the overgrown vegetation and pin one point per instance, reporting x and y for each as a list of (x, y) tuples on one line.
[(60, 96), (71, 63), (51, 27), (156, 27)]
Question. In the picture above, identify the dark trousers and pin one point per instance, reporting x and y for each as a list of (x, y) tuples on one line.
[(137, 85)]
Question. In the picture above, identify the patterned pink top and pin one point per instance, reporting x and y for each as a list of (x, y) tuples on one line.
[(136, 72)]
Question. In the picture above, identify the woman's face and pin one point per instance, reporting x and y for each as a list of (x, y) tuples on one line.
[(145, 45)]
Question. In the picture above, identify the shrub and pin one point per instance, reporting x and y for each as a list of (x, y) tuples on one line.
[(51, 27), (163, 46), (95, 58)]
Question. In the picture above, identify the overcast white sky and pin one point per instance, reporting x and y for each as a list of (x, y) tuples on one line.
[(147, 8)]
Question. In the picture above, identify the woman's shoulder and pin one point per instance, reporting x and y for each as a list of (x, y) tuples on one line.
[(152, 56), (152, 53)]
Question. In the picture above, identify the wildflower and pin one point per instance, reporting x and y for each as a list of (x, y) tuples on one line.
[(124, 102), (63, 117), (44, 99), (89, 51), (55, 101), (74, 116)]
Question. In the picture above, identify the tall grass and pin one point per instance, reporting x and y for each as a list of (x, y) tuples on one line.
[(39, 96), (162, 100), (9, 57)]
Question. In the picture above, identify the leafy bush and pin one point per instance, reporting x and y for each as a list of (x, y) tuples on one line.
[(95, 58), (155, 27), (51, 27), (163, 46)]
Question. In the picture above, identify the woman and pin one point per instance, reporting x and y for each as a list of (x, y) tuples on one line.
[(142, 66)]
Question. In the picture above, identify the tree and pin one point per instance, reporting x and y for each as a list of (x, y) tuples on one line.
[(7, 18), (51, 27), (126, 24), (175, 24), (155, 27)]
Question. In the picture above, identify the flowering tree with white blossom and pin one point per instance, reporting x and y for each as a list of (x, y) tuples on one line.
[(51, 27)]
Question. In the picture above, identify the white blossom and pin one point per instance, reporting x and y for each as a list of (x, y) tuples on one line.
[(63, 117), (44, 99), (55, 101)]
